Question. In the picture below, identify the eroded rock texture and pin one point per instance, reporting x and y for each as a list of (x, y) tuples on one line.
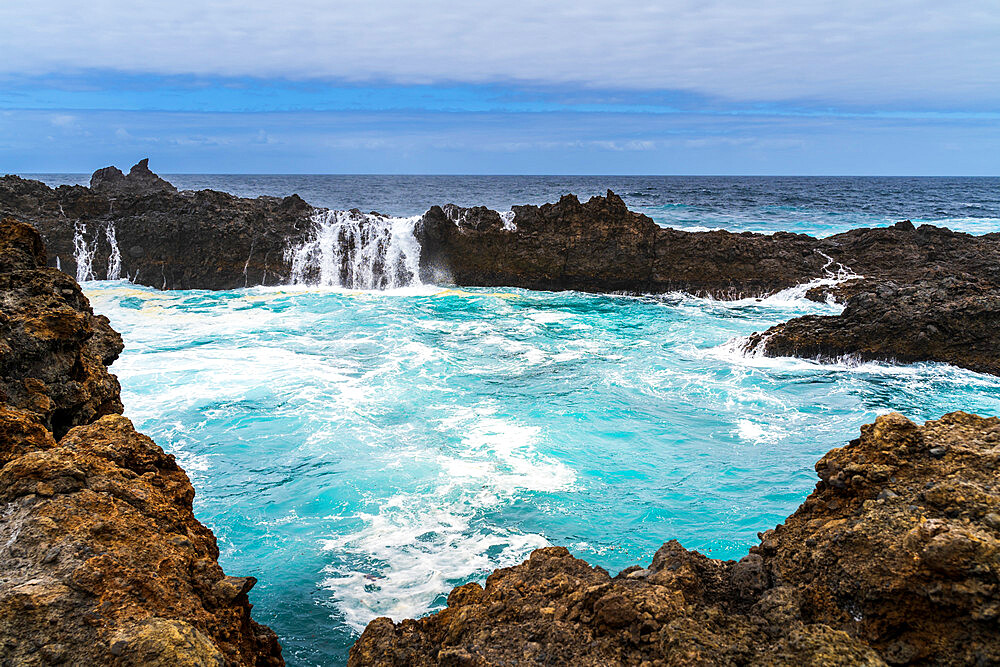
[(164, 238), (949, 319), (601, 246), (138, 226), (101, 558), (894, 558)]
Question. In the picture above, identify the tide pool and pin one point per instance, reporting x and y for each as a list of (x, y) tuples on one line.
[(361, 453)]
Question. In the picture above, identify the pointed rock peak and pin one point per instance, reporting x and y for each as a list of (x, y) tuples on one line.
[(140, 181), (140, 168), (615, 200)]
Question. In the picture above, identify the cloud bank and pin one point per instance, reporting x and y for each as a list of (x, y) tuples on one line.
[(892, 52)]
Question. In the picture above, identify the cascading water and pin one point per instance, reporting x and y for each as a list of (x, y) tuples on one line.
[(115, 255), (357, 251), (83, 254)]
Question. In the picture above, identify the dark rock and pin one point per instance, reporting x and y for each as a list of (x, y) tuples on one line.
[(166, 239), (930, 320), (139, 182)]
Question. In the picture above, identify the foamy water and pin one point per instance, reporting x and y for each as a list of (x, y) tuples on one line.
[(363, 452)]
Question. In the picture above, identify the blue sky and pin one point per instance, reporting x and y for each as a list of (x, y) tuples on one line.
[(372, 86)]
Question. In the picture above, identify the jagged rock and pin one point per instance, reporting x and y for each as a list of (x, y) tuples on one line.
[(166, 239), (602, 246), (949, 319), (140, 181), (212, 240), (854, 577), (101, 558), (54, 351)]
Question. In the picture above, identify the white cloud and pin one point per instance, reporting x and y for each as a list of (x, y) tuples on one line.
[(845, 51)]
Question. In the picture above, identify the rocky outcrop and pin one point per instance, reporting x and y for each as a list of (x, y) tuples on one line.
[(894, 558), (602, 246), (138, 226), (101, 558), (140, 181), (927, 293), (161, 237), (949, 319)]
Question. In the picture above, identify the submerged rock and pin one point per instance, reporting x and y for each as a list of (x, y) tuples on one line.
[(892, 559), (101, 558)]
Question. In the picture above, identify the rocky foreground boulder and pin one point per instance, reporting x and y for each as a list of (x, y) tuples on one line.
[(893, 559), (101, 558)]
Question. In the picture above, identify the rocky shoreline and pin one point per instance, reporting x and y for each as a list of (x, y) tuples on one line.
[(103, 561), (893, 559), (921, 294)]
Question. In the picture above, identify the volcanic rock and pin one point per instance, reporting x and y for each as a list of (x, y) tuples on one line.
[(894, 558), (949, 319), (140, 181), (164, 238), (101, 558)]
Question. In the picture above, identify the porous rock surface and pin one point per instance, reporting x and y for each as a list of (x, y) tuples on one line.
[(949, 319), (893, 559), (101, 558)]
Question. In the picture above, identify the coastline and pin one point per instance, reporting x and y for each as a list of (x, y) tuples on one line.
[(553, 607)]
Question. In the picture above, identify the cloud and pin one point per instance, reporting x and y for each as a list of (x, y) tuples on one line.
[(846, 52)]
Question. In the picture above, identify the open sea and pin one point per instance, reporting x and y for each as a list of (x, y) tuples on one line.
[(362, 452)]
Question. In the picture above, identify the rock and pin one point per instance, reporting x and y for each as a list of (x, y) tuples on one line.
[(602, 246), (930, 320), (53, 351), (102, 558), (139, 182), (845, 580), (166, 239), (927, 293)]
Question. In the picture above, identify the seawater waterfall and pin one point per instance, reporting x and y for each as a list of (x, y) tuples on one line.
[(84, 253), (357, 251)]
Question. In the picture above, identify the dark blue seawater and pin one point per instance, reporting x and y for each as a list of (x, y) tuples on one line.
[(362, 452), (812, 205)]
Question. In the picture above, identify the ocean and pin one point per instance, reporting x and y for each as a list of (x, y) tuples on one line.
[(361, 452)]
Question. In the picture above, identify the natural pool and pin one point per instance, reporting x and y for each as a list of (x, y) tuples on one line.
[(361, 453)]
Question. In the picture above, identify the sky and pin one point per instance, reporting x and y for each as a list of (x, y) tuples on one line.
[(904, 87)]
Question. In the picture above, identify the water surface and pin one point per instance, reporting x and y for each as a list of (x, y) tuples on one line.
[(361, 453)]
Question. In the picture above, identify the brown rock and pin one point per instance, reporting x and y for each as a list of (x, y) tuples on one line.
[(846, 580)]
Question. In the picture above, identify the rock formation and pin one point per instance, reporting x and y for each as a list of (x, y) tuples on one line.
[(894, 558), (602, 246), (103, 561), (948, 319), (138, 226), (163, 238)]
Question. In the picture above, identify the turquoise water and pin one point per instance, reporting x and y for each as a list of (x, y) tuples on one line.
[(361, 453)]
